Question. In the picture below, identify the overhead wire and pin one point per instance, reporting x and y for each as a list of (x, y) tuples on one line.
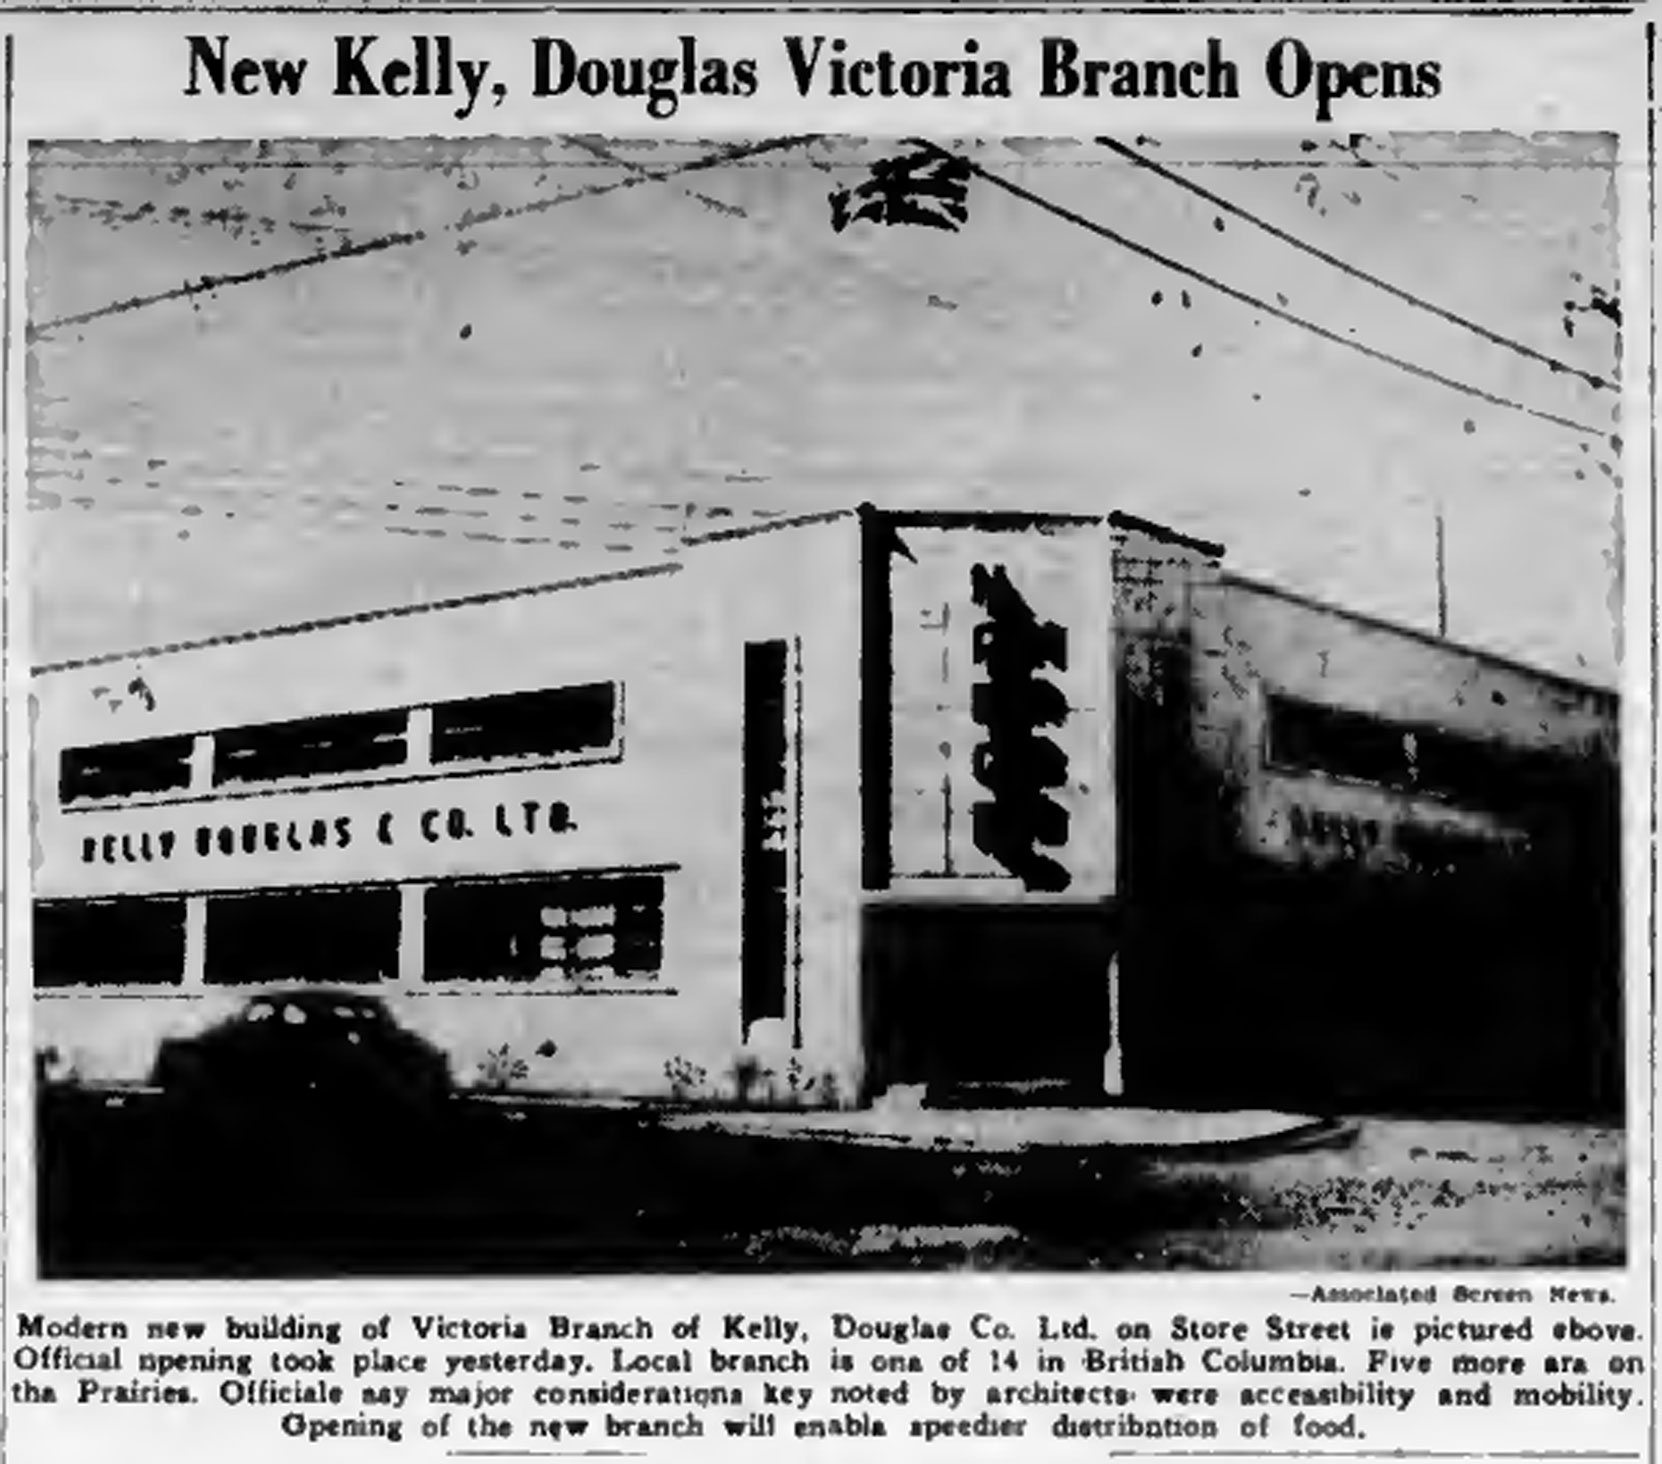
[(1266, 307), (403, 238), (637, 174), (1235, 210)]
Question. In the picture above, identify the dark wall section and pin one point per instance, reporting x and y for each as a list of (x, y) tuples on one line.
[(1476, 977), (877, 543), (1472, 994), (981, 1001)]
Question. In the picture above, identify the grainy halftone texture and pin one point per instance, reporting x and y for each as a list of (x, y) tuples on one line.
[(516, 390)]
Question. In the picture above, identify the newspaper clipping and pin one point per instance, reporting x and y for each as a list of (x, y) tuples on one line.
[(755, 730)]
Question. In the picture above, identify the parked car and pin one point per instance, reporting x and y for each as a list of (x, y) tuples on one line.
[(314, 1047)]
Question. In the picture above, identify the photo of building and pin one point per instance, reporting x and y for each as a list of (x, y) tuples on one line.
[(827, 689), (936, 825)]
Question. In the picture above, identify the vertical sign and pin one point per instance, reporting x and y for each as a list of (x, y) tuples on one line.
[(1001, 706)]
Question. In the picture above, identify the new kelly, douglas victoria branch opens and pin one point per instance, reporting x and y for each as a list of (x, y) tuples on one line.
[(367, 65)]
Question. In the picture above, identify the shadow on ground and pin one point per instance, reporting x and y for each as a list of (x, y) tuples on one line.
[(135, 1185)]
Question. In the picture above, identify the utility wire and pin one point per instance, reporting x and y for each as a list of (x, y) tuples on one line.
[(1132, 155), (598, 148), (471, 219), (1373, 353)]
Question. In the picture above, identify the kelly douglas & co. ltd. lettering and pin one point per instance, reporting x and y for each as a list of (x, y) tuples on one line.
[(435, 825)]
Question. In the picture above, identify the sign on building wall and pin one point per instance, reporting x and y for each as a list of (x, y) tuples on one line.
[(421, 829), (1002, 711)]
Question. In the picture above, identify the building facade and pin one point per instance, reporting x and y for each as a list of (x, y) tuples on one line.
[(1018, 808)]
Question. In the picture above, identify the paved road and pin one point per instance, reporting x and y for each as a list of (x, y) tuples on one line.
[(1417, 1194), (514, 1188)]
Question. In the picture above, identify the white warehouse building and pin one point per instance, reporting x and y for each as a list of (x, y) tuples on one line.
[(852, 798)]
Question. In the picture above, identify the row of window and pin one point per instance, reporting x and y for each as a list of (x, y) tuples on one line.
[(552, 722), (1409, 757), (575, 928)]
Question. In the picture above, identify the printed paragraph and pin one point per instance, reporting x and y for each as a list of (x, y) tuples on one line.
[(1340, 1367)]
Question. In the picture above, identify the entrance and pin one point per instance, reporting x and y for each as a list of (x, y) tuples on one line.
[(988, 1005)]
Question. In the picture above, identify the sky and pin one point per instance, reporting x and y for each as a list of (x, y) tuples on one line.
[(579, 362)]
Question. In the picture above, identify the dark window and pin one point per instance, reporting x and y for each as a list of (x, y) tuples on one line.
[(123, 769), (1485, 774), (1344, 743), (1476, 772), (1519, 782), (119, 942), (764, 857), (341, 935), (316, 747), (581, 929), (548, 723)]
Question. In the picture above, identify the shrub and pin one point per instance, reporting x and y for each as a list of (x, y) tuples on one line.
[(500, 1069), (686, 1079)]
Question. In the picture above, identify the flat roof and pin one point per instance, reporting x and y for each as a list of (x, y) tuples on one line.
[(1006, 519), (1426, 637), (990, 519), (1208, 547), (359, 617), (453, 602), (987, 519)]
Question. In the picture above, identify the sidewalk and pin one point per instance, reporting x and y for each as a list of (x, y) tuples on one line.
[(1023, 1130)]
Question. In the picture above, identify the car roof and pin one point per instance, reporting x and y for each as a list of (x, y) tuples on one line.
[(312, 996)]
